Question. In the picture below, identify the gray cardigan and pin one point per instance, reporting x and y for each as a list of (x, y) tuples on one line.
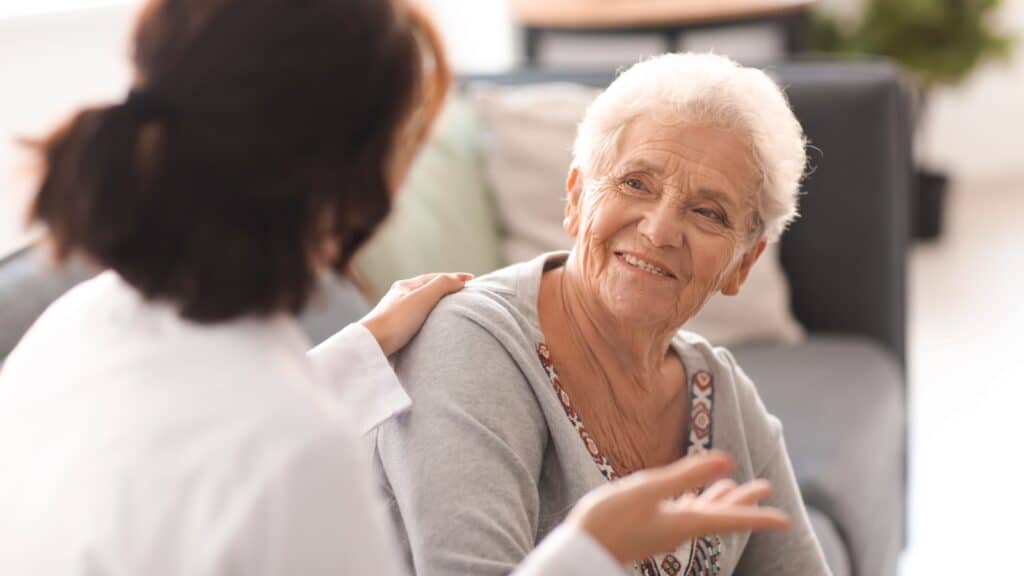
[(487, 462)]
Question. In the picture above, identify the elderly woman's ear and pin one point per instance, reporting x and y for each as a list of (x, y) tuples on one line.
[(739, 273), (574, 191)]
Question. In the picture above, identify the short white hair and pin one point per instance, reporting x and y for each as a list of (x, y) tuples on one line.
[(712, 90)]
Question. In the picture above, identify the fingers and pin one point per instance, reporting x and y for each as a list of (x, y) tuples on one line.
[(735, 519), (748, 494), (719, 490), (417, 282), (727, 491), (441, 285), (411, 284), (689, 473)]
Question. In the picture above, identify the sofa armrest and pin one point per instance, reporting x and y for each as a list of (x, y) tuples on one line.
[(843, 410), (846, 257), (29, 282)]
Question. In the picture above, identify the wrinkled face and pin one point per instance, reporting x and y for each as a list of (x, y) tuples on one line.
[(667, 224)]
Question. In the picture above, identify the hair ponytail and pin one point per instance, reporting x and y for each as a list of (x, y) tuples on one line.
[(91, 181)]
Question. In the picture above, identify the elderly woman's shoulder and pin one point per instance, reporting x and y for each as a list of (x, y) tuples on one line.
[(716, 359), (472, 302), (495, 299), (694, 343), (469, 352), (488, 310), (730, 383)]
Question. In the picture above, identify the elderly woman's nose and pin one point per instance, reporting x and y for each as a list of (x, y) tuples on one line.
[(662, 226)]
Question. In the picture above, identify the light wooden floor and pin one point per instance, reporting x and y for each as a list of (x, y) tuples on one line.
[(967, 388)]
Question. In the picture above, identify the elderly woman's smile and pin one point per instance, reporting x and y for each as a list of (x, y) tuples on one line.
[(644, 264), (661, 223)]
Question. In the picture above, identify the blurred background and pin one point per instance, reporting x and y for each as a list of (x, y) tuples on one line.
[(964, 66)]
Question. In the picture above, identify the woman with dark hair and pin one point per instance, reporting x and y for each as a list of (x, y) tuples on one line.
[(164, 417)]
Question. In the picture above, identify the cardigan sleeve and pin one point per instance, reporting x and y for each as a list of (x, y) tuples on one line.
[(463, 466)]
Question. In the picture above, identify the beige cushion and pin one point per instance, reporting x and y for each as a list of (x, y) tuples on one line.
[(529, 132), (527, 150), (443, 220)]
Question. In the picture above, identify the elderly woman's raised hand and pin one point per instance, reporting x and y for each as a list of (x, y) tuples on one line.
[(654, 511)]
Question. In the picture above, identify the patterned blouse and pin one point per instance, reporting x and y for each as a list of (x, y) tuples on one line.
[(701, 555)]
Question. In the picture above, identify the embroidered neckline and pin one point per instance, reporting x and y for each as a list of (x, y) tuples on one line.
[(705, 551)]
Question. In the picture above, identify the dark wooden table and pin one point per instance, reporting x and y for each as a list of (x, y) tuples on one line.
[(670, 19)]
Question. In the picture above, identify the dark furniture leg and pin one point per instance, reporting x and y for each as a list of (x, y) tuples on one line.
[(531, 42), (797, 27)]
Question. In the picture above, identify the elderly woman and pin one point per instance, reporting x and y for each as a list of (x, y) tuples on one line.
[(550, 377)]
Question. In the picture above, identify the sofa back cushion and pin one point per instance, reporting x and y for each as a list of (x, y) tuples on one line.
[(443, 220), (527, 151)]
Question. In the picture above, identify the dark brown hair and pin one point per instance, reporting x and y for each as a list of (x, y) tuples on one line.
[(258, 145)]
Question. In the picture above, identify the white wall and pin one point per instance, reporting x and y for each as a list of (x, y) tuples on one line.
[(977, 129), (50, 63)]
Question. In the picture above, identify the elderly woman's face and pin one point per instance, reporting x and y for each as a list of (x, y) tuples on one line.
[(667, 225)]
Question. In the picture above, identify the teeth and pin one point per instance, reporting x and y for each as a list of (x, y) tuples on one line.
[(635, 262)]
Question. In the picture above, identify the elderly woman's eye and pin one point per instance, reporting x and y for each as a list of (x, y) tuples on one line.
[(635, 184), (712, 214)]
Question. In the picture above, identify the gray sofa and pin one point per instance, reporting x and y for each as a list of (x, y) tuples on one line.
[(841, 395)]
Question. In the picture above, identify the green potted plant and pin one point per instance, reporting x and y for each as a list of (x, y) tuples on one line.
[(939, 42)]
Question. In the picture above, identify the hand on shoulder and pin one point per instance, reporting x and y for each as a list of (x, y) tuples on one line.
[(403, 310)]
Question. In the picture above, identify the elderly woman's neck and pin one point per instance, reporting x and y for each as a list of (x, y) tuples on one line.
[(576, 324)]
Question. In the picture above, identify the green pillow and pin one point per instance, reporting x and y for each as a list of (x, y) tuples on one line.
[(443, 219)]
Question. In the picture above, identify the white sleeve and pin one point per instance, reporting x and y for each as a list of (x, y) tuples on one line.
[(319, 516), (356, 374), (322, 516), (569, 551)]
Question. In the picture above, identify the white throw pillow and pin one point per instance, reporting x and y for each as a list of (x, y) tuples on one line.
[(528, 136)]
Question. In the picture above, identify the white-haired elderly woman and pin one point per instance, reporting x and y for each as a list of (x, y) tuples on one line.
[(550, 377)]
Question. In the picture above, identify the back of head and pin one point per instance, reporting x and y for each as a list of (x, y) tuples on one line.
[(257, 145)]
